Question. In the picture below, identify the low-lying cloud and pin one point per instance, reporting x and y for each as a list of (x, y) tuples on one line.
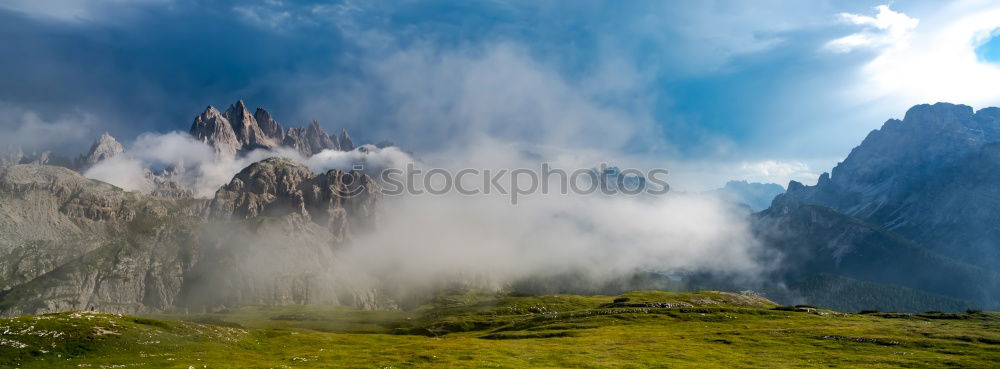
[(194, 165), (426, 240), (488, 108)]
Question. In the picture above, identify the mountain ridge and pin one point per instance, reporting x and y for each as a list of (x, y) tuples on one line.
[(237, 131), (940, 155)]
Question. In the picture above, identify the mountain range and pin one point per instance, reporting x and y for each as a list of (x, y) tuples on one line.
[(237, 131), (907, 222)]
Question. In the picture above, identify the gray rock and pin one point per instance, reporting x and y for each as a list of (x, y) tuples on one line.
[(214, 129), (269, 237), (236, 130), (310, 140), (345, 141), (271, 128), (248, 132), (106, 147), (278, 187), (318, 139), (71, 243)]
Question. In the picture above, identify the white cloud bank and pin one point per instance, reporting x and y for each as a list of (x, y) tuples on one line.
[(33, 132), (925, 60), (888, 29)]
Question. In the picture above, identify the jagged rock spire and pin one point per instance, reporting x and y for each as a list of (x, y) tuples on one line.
[(104, 148), (345, 141), (214, 129), (318, 139), (237, 130), (246, 128), (271, 128)]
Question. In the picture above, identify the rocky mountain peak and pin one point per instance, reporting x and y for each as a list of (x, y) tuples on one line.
[(238, 112), (938, 114), (318, 140), (210, 111), (237, 130), (309, 140), (271, 128), (344, 141), (927, 177), (930, 136), (246, 128), (212, 128), (104, 148)]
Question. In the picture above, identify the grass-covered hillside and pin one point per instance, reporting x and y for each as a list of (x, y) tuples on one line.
[(640, 329)]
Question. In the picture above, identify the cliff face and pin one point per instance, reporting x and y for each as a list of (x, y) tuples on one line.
[(69, 243), (268, 237)]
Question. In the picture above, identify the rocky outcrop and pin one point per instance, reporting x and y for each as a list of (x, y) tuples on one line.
[(278, 187), (106, 147)]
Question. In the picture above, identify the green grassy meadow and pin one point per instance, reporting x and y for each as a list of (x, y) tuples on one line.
[(469, 330)]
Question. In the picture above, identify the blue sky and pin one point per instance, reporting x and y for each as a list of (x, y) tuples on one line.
[(761, 90)]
